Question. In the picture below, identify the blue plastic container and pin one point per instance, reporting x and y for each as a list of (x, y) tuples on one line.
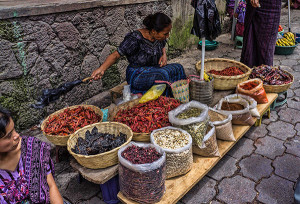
[(298, 37), (110, 190)]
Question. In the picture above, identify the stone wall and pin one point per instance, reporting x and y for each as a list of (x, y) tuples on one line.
[(44, 51)]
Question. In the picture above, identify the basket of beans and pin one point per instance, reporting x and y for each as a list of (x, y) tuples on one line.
[(142, 172), (227, 73), (96, 146), (58, 126)]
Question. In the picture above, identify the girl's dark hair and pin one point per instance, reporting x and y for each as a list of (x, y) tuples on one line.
[(4, 121), (157, 21)]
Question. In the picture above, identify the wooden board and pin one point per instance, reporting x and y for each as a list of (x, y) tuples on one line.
[(177, 187)]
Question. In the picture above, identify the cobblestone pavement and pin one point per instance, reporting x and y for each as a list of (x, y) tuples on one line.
[(261, 168)]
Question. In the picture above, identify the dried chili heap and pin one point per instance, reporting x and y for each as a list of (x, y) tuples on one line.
[(148, 116), (229, 71), (250, 85), (145, 185), (271, 75), (71, 120)]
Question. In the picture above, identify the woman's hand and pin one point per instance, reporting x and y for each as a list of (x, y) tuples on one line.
[(98, 73), (255, 3), (163, 60)]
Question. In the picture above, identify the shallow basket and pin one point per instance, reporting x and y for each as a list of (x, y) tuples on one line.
[(279, 88), (225, 82), (140, 137), (61, 140), (105, 159)]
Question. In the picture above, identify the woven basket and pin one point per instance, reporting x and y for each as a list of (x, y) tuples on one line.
[(105, 159), (279, 88), (140, 137), (61, 140), (225, 82), (201, 91)]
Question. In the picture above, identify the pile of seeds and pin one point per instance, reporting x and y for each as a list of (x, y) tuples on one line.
[(171, 138), (191, 112), (178, 162)]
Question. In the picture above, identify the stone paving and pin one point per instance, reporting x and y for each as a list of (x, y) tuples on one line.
[(261, 168)]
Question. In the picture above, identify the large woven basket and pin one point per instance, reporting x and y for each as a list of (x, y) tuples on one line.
[(279, 88), (105, 159), (225, 82), (61, 140), (140, 137)]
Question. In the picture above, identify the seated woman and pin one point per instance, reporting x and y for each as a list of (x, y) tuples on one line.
[(145, 50), (26, 169)]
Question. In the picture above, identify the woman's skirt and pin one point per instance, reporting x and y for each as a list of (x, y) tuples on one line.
[(141, 79)]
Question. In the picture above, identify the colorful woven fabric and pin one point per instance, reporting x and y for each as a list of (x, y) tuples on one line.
[(142, 79), (261, 28)]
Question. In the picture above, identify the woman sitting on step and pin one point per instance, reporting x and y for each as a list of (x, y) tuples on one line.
[(145, 50), (26, 169)]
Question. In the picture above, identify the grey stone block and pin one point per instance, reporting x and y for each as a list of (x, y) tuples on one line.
[(67, 33), (114, 17), (242, 148), (293, 146), (287, 166), (225, 168), (281, 130), (101, 100), (273, 117), (275, 190), (269, 147), (97, 40), (236, 190), (289, 115), (203, 192), (257, 132), (256, 167)]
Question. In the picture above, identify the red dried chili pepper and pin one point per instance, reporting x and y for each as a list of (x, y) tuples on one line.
[(229, 71)]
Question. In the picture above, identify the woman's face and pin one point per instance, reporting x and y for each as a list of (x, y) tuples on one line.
[(11, 140), (164, 34)]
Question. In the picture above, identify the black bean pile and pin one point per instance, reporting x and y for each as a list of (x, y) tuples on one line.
[(96, 142)]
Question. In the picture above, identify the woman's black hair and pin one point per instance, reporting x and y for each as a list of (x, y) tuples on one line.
[(4, 121), (157, 21)]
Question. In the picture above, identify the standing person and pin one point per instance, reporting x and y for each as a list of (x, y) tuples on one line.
[(145, 50), (26, 169), (260, 34)]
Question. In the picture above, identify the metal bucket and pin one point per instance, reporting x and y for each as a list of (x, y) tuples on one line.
[(201, 91)]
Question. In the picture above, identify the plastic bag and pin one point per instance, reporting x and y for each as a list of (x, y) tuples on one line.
[(222, 124), (195, 126), (239, 117), (153, 93), (258, 92), (252, 103), (179, 160), (209, 147), (144, 183)]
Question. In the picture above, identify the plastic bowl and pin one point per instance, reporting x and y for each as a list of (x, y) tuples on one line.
[(209, 45), (298, 37), (285, 50)]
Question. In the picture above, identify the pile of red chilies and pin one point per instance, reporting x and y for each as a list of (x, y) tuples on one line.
[(229, 71), (145, 117), (71, 120)]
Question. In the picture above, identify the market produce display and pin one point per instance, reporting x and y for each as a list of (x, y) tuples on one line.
[(271, 75), (177, 144), (231, 106), (142, 172), (280, 28), (229, 71), (287, 40), (96, 142), (253, 88), (70, 120), (145, 117)]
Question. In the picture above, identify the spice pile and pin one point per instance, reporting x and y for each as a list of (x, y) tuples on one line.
[(70, 120), (191, 112), (231, 106), (250, 85), (145, 117), (229, 71), (179, 154), (271, 75), (97, 143), (140, 155), (145, 185)]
